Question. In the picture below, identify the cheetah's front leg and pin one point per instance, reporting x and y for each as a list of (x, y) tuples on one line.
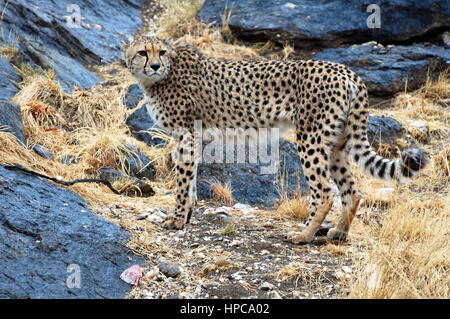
[(186, 173)]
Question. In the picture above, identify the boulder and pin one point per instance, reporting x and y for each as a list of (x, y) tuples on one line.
[(53, 246), (11, 119), (139, 165), (141, 124), (250, 183), (381, 129), (69, 36), (386, 70), (10, 115), (8, 79), (325, 23), (140, 121), (133, 96)]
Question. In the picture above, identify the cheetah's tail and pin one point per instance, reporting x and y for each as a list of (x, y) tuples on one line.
[(405, 168)]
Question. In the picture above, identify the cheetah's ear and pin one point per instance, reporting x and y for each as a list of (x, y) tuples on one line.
[(169, 42)]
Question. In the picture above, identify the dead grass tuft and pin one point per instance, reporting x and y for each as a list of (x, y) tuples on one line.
[(180, 18), (407, 256), (222, 193), (297, 208)]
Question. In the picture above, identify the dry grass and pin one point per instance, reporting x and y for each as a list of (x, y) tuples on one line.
[(8, 42), (408, 255), (222, 264), (291, 207), (296, 208), (222, 193), (406, 235), (180, 18), (87, 125)]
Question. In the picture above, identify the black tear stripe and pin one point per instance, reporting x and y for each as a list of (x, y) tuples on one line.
[(146, 61)]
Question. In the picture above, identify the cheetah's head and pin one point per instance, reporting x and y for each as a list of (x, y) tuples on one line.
[(148, 59)]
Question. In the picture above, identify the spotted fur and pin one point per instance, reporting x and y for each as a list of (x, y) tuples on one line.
[(325, 102)]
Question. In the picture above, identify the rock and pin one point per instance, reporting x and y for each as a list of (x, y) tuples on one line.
[(273, 295), (10, 115), (386, 70), (133, 96), (8, 79), (306, 23), (224, 218), (43, 151), (112, 176), (383, 129), (68, 36), (419, 126), (48, 236), (266, 286), (169, 269), (140, 122), (11, 119), (154, 219), (446, 38), (249, 185), (68, 160), (139, 165)]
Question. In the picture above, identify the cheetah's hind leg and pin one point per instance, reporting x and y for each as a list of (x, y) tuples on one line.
[(315, 164), (343, 178)]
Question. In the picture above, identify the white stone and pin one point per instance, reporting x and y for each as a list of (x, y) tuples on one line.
[(290, 5)]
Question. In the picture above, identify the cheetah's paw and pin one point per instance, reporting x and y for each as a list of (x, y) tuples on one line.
[(335, 234), (297, 238), (173, 223)]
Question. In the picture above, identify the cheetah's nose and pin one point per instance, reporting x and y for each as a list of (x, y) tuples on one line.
[(155, 66)]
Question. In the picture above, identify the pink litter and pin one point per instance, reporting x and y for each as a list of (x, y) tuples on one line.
[(132, 275)]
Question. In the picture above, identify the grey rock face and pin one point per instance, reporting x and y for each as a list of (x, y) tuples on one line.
[(385, 70), (67, 36), (249, 184), (140, 121), (43, 230), (10, 115), (383, 129), (141, 124), (8, 78), (312, 23), (133, 96), (139, 165), (11, 119)]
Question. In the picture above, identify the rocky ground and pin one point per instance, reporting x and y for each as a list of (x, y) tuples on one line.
[(239, 252)]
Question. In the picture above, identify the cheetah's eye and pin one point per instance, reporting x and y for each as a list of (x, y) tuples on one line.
[(162, 52), (142, 53)]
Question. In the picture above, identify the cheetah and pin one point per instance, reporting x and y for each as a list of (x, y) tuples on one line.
[(325, 102)]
